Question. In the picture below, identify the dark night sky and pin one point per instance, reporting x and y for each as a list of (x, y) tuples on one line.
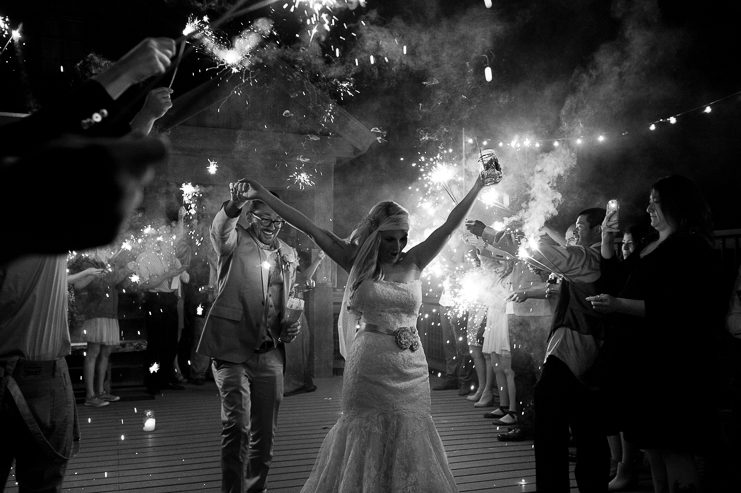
[(562, 68)]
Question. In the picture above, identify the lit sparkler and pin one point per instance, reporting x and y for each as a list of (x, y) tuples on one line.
[(6, 30), (212, 167), (191, 194), (154, 368)]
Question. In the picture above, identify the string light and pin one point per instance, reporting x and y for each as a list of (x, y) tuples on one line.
[(602, 137)]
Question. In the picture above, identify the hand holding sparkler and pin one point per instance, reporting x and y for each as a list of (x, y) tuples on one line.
[(552, 290), (150, 57), (158, 102), (155, 106), (475, 227), (604, 303)]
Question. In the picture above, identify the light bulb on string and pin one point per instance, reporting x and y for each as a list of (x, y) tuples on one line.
[(652, 127), (672, 120), (707, 109)]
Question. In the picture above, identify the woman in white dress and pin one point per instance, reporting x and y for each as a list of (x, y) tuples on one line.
[(385, 441)]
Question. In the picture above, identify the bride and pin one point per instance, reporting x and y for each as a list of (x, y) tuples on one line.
[(385, 440)]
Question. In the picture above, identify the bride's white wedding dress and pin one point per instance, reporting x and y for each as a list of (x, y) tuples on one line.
[(385, 441)]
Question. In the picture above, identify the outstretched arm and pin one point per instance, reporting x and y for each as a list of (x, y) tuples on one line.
[(338, 249), (423, 253)]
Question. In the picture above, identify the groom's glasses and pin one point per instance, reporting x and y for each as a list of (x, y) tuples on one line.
[(267, 222)]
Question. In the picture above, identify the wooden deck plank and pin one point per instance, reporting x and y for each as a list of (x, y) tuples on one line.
[(183, 452)]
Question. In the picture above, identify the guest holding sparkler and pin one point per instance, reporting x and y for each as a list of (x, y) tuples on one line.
[(497, 346), (385, 439), (566, 395), (97, 301), (529, 318), (476, 327), (38, 421), (663, 310), (160, 273)]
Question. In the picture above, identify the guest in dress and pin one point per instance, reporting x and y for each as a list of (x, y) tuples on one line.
[(97, 301), (662, 316)]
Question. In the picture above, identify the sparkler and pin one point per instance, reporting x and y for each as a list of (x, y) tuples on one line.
[(212, 167), (191, 194), (15, 34)]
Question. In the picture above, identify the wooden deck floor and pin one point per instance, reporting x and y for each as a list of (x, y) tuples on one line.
[(182, 454)]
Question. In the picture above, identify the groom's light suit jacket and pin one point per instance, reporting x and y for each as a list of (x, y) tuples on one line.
[(232, 327)]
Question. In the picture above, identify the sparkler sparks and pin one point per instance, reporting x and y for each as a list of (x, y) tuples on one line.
[(154, 368), (212, 167), (191, 194), (235, 55), (5, 30)]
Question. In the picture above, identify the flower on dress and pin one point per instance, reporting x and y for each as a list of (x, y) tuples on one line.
[(406, 338)]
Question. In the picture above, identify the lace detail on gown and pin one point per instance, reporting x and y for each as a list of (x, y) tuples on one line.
[(385, 441)]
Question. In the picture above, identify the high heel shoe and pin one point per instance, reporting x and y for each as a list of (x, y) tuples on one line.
[(487, 400), (626, 478)]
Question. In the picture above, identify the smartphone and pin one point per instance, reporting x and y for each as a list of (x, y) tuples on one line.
[(613, 205)]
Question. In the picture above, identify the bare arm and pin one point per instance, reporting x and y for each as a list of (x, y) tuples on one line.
[(311, 269), (423, 253), (157, 280), (338, 249), (609, 228), (155, 106), (85, 277)]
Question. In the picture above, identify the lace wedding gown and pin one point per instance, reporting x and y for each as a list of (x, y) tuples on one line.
[(385, 441)]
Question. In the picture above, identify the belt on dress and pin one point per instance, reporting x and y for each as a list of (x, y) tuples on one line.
[(406, 337)]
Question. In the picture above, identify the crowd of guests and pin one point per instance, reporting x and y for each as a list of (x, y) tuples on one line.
[(631, 333), (562, 338)]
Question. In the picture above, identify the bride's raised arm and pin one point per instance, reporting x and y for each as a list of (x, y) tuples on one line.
[(338, 249), (426, 251)]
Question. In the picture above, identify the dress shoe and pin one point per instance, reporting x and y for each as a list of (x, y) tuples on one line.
[(446, 384), (153, 391), (196, 380), (301, 390), (516, 434), (465, 389), (173, 386)]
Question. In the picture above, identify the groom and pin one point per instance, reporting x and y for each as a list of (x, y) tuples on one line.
[(256, 272)]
